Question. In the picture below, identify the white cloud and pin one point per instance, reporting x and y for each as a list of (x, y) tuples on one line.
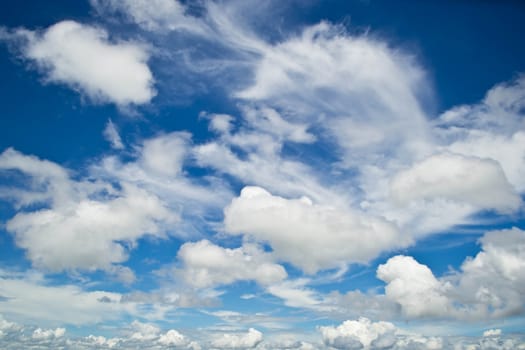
[(154, 15), (247, 340), (360, 334), (355, 82), (84, 58), (83, 225), (295, 294), (112, 136), (206, 264), (479, 182), (492, 282), (29, 298), (492, 333), (333, 237), (91, 234), (40, 333), (493, 128), (414, 287), (489, 285), (172, 338), (157, 166), (164, 155)]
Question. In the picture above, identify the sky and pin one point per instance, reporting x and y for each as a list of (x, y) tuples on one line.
[(240, 174)]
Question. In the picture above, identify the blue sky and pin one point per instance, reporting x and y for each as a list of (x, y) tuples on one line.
[(262, 175)]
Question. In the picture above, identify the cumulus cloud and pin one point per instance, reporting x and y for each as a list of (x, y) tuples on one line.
[(479, 182), (247, 340), (84, 58), (414, 287), (332, 237), (360, 334), (206, 264), (489, 285), (83, 225)]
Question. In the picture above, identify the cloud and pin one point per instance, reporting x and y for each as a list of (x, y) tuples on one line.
[(354, 82), (479, 182), (332, 237), (84, 58), (206, 265), (492, 282), (156, 15), (296, 294), (414, 287), (360, 334), (112, 136), (30, 298), (490, 129), (248, 340), (489, 285), (164, 155), (48, 333), (157, 165), (81, 225)]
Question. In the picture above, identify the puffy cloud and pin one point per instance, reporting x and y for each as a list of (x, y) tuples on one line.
[(88, 235), (360, 334), (164, 155), (206, 264), (112, 136), (84, 58), (414, 287), (172, 338), (332, 237), (489, 285), (40, 333), (247, 340), (479, 182), (82, 225), (492, 281)]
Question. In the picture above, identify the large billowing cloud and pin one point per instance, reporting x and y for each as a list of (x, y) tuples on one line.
[(84, 58), (332, 237)]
